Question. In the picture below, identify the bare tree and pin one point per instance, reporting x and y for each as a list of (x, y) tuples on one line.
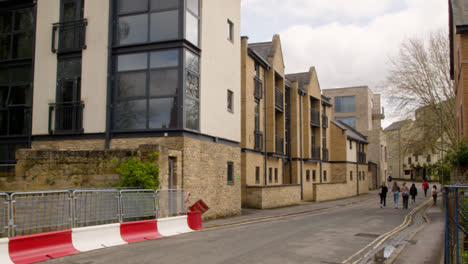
[(419, 84)]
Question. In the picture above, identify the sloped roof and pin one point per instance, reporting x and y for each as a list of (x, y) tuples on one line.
[(263, 49), (395, 125), (351, 132), (301, 78)]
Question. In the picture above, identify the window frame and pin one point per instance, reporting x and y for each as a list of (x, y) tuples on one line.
[(307, 175), (230, 173), (351, 175), (257, 175), (230, 32), (230, 100)]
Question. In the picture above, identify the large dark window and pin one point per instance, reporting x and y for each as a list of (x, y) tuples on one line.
[(16, 34), (192, 22), (192, 91), (345, 104), (349, 120)]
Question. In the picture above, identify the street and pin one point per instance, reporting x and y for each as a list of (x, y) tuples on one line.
[(329, 236)]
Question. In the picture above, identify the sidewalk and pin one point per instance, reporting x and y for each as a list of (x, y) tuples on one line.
[(427, 245), (304, 207)]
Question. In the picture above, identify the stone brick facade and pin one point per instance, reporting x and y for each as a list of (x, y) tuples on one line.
[(265, 197)]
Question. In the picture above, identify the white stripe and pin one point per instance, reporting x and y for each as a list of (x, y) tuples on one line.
[(95, 237), (173, 225), (4, 253)]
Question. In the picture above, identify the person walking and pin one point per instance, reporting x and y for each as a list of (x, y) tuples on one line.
[(383, 195), (434, 195), (405, 195), (425, 186), (396, 193), (413, 192)]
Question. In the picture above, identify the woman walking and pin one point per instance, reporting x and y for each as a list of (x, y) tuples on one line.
[(383, 195), (434, 195), (405, 194), (396, 193), (413, 192)]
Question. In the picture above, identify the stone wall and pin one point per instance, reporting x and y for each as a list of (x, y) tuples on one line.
[(265, 197)]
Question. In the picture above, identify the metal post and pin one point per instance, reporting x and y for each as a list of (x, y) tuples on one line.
[(456, 225), (447, 228)]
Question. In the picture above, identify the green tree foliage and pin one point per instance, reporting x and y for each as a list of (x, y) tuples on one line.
[(136, 173)]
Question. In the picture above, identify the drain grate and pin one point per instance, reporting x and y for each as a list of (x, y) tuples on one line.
[(367, 235)]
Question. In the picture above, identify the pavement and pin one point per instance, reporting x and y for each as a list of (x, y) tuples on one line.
[(421, 242)]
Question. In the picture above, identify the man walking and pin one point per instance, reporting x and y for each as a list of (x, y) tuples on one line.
[(383, 195), (425, 186)]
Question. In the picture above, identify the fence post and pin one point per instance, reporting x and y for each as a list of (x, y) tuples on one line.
[(456, 225), (447, 227), (156, 197)]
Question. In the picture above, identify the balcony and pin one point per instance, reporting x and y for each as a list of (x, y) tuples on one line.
[(324, 121), (362, 157), (279, 145), (71, 36), (315, 152), (258, 140), (314, 118), (258, 91), (68, 118), (325, 154), (279, 99)]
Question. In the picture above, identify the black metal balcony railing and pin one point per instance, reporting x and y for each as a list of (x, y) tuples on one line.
[(71, 36), (325, 154), (315, 152), (324, 121), (279, 145), (258, 91), (362, 157), (258, 140), (314, 117), (68, 118), (279, 99)]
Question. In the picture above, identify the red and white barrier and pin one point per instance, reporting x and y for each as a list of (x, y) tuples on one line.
[(44, 246)]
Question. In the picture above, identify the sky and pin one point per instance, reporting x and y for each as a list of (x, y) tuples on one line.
[(348, 42)]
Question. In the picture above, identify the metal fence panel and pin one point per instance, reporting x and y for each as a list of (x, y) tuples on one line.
[(96, 207), (138, 205), (456, 213), (36, 212), (4, 214), (171, 203)]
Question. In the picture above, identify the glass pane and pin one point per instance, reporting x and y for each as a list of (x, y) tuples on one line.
[(3, 123), (165, 25), (21, 74), (164, 4), (192, 29), (350, 121), (130, 115), (192, 61), (132, 84), (133, 29), (68, 38), (164, 82), (130, 6), (4, 78), (344, 104), (3, 96), (192, 113), (3, 151), (18, 122), (163, 59), (19, 95), (5, 45), (22, 45), (66, 90), (192, 85), (132, 62), (69, 68), (24, 20), (69, 11), (163, 113), (192, 5), (5, 22)]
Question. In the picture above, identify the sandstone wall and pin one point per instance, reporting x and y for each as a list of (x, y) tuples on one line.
[(264, 197)]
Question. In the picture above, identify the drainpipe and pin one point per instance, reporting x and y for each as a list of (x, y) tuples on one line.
[(109, 77), (301, 93), (357, 167), (265, 121)]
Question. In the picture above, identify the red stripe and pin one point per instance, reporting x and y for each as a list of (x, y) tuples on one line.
[(139, 230), (40, 247), (194, 220)]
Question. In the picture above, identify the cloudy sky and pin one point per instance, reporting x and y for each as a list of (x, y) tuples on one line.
[(349, 42)]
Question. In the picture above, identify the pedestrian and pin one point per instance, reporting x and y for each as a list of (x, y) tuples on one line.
[(425, 186), (434, 195), (405, 195), (396, 193), (383, 195), (413, 192), (389, 178)]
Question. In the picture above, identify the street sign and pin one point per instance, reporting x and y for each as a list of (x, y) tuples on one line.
[(199, 206)]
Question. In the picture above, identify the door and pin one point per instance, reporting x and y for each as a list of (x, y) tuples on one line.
[(72, 12)]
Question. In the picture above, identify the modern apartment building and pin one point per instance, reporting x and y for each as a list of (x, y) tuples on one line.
[(458, 35), (361, 109), (287, 135), (116, 74)]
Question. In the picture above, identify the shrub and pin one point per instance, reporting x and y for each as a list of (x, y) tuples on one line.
[(136, 173)]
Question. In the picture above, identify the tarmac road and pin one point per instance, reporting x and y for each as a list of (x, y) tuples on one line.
[(329, 236)]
